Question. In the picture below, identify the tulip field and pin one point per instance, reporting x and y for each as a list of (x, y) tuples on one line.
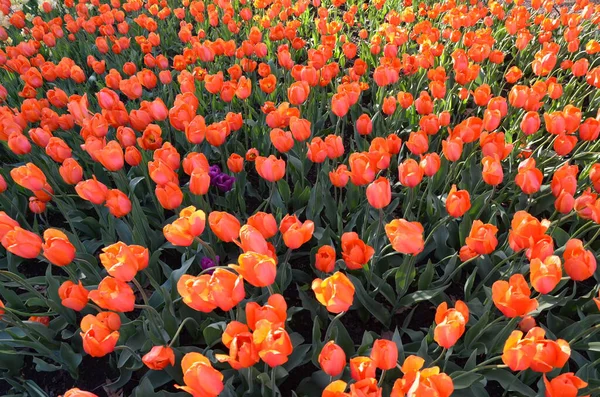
[(299, 198)]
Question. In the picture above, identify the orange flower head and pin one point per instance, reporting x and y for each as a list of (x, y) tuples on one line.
[(379, 193), (275, 311), (482, 238), (57, 248), (74, 296), (21, 242), (29, 176), (224, 225), (274, 343), (545, 275), (270, 168), (406, 237), (458, 202), (200, 378), (325, 258), (512, 297), (257, 269), (564, 385), (92, 191), (264, 223), (113, 294), (336, 292), (159, 357), (332, 359), (384, 354), (450, 323), (362, 368), (295, 233), (123, 261), (580, 264), (355, 252)]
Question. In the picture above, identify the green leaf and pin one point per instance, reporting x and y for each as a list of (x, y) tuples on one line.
[(463, 380), (509, 382), (374, 307), (420, 296), (427, 276)]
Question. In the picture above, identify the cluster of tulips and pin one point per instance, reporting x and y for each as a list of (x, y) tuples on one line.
[(300, 198)]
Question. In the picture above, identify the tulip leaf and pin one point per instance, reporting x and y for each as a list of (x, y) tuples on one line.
[(374, 307), (509, 382), (463, 380)]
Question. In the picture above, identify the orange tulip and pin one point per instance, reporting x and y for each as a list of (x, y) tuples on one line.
[(235, 163), (355, 252), (21, 242), (580, 264), (257, 269), (379, 193), (200, 378), (159, 357), (384, 354), (111, 156), (410, 173), (75, 392), (6, 224), (275, 311), (482, 238), (545, 275), (29, 176), (195, 292), (336, 292), (458, 202), (273, 342), (564, 385), (169, 196), (270, 168), (123, 261), (332, 359), (422, 382), (57, 248), (264, 223), (100, 333), (224, 225), (362, 368), (74, 296), (452, 148), (335, 389), (526, 231), (92, 190), (243, 353), (535, 351), (406, 237), (529, 178), (325, 258), (362, 168), (492, 173), (512, 297), (565, 178), (282, 140), (295, 233), (113, 294), (450, 323), (70, 171), (226, 289), (366, 387), (118, 203)]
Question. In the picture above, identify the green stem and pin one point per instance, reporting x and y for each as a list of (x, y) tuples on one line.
[(174, 338), (330, 327)]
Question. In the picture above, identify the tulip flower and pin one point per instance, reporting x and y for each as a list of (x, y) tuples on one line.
[(264, 223), (270, 168), (74, 296), (482, 238), (243, 353), (450, 323), (325, 259), (529, 178), (512, 297), (295, 233), (75, 392), (362, 368), (335, 389), (580, 264), (23, 243), (458, 202), (564, 385), (200, 378), (100, 334), (123, 261), (92, 191), (257, 269), (336, 292), (224, 225), (273, 343), (355, 252), (545, 275), (113, 294), (410, 173), (379, 193), (406, 237), (332, 359), (384, 354), (275, 311), (159, 357)]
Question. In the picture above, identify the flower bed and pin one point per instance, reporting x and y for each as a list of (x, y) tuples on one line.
[(299, 198)]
